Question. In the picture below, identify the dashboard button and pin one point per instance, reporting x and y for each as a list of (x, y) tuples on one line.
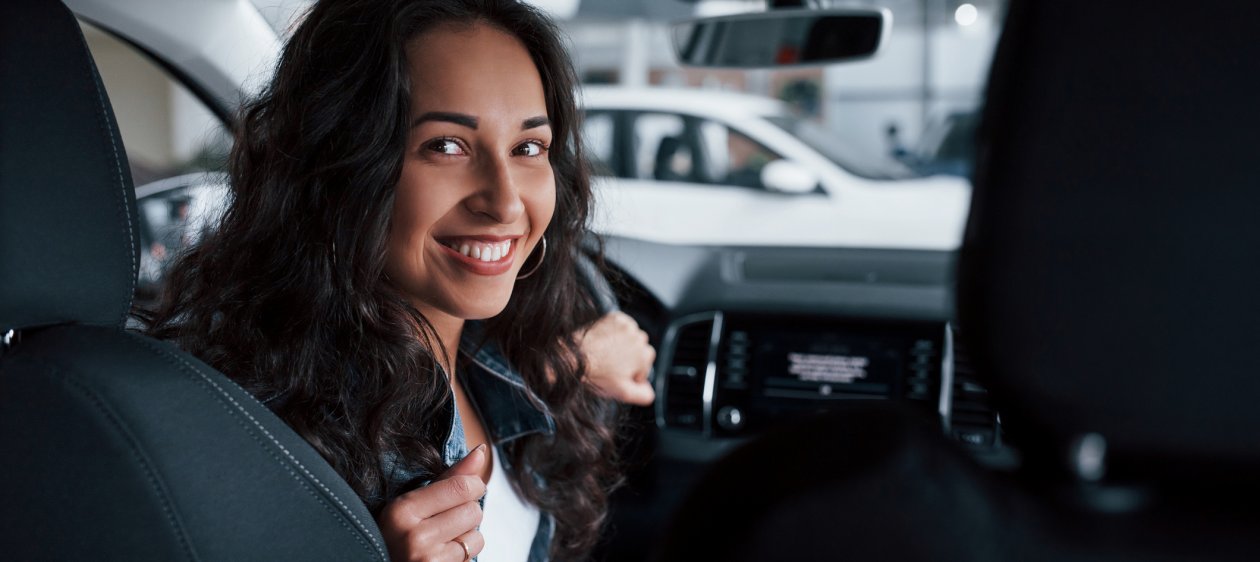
[(730, 418), (975, 437)]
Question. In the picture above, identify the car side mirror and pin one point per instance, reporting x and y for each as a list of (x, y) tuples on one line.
[(779, 38), (786, 176)]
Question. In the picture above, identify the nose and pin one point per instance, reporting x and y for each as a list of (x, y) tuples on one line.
[(497, 196)]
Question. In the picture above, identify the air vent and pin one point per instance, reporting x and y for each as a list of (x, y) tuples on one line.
[(972, 419), (689, 360)]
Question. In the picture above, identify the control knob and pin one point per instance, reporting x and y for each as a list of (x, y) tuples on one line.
[(730, 418)]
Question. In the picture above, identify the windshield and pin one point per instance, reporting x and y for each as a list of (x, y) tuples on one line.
[(834, 148)]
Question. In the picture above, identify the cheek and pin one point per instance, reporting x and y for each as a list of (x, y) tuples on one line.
[(398, 261), (541, 201), (417, 207), (404, 221)]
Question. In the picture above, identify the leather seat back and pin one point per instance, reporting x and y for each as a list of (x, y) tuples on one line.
[(115, 446)]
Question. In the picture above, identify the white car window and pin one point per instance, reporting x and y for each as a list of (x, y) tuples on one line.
[(673, 147), (661, 149), (731, 158), (175, 213), (597, 136)]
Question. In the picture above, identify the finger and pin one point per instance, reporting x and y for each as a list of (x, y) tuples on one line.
[(438, 497), (649, 357), (636, 394), (644, 376), (475, 542), (445, 526), (608, 322), (641, 336), (473, 464), (622, 318)]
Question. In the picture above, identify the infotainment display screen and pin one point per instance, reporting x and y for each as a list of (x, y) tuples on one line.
[(798, 364), (773, 367)]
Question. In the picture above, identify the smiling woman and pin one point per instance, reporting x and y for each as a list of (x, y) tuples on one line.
[(394, 275), (477, 190)]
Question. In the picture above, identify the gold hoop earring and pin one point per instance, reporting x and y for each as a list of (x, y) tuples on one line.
[(541, 257)]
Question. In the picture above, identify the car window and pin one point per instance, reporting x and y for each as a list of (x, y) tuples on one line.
[(663, 148), (678, 148), (174, 214), (173, 140), (597, 134), (834, 148), (732, 158)]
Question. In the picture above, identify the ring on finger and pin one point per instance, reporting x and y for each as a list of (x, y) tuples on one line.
[(467, 553)]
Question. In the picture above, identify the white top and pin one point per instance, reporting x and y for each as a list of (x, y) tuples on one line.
[(508, 522)]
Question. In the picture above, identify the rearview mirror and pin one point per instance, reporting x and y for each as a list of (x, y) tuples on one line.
[(794, 37)]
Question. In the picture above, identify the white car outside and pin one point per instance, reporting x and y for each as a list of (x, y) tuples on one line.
[(839, 208), (227, 48)]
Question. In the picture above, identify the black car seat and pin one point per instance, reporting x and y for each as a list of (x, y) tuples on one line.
[(1107, 291), (114, 446)]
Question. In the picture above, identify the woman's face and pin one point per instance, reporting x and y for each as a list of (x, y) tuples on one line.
[(477, 189)]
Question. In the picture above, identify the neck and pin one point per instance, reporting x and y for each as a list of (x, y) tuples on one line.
[(448, 329)]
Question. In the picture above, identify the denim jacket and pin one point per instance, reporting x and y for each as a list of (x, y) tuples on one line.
[(508, 410)]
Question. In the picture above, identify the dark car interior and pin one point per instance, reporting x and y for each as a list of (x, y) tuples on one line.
[(1103, 296), (1102, 302)]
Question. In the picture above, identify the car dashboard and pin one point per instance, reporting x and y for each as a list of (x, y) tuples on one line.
[(749, 337), (752, 337)]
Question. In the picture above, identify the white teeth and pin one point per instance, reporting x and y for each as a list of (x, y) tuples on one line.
[(483, 252)]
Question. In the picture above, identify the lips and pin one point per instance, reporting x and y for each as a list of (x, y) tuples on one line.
[(483, 255)]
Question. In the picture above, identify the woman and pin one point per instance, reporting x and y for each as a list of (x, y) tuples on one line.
[(413, 169)]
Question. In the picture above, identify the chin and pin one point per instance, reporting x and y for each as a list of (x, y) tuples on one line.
[(485, 308), (483, 314)]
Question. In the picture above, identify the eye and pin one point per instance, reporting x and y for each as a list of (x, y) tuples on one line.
[(531, 148), (445, 147)]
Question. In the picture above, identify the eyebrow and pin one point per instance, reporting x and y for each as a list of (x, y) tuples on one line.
[(471, 122), (456, 118), (535, 122)]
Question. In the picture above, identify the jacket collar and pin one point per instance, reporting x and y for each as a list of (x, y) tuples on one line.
[(507, 407)]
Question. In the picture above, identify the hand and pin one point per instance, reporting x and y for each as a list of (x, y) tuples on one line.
[(618, 359), (422, 524)]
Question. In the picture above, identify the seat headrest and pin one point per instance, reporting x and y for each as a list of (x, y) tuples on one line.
[(1108, 277), (68, 231)]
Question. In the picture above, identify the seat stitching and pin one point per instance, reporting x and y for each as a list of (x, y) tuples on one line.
[(137, 453), (338, 516), (103, 116), (186, 366)]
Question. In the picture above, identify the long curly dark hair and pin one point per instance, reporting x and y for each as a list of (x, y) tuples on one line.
[(287, 296)]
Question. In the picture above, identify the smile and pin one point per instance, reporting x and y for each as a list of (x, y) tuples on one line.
[(480, 250), (481, 255)]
